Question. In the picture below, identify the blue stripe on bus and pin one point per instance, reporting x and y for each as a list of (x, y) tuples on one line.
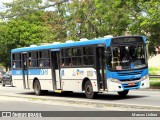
[(31, 72)]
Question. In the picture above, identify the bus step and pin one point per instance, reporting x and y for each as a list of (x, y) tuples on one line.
[(102, 90), (58, 91)]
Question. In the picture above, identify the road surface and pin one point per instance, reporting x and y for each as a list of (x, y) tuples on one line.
[(14, 99), (136, 99)]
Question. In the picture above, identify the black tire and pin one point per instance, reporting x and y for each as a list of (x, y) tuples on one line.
[(123, 93), (44, 92), (89, 90), (37, 88)]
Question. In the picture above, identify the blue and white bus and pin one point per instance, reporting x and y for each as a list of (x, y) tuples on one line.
[(108, 64)]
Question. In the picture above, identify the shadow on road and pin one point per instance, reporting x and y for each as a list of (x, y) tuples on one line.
[(109, 97), (8, 86)]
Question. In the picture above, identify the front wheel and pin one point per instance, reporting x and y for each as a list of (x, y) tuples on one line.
[(89, 90), (123, 93), (37, 88)]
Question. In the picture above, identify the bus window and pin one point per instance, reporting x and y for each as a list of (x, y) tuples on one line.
[(66, 57), (88, 50), (66, 62), (88, 55), (135, 54), (88, 60), (44, 59), (33, 59), (16, 58), (76, 61), (77, 57), (67, 52)]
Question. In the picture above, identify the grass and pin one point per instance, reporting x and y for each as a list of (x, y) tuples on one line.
[(155, 79), (155, 84), (154, 70), (36, 99)]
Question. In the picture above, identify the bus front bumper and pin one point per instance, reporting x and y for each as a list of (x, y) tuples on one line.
[(114, 85)]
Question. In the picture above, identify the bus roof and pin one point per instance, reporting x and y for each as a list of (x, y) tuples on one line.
[(106, 41), (64, 45)]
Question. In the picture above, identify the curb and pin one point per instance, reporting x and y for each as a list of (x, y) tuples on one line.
[(87, 103)]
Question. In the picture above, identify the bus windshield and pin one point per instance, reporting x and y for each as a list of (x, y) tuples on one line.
[(127, 57)]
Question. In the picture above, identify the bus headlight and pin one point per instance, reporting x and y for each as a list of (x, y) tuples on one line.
[(115, 80), (144, 77)]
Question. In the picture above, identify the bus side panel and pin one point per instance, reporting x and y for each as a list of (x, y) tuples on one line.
[(17, 78), (72, 78), (44, 76)]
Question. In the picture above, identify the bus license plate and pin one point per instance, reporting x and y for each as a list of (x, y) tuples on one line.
[(131, 84)]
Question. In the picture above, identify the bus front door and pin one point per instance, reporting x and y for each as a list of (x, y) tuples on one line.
[(55, 58), (25, 70), (100, 68)]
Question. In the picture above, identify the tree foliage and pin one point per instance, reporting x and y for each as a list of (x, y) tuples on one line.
[(26, 22)]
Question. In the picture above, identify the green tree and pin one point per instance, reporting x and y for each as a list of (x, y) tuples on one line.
[(28, 23)]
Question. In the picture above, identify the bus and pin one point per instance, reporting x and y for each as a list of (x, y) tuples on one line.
[(88, 66)]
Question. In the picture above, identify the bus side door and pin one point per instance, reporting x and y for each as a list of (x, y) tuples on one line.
[(101, 68), (25, 70), (55, 61)]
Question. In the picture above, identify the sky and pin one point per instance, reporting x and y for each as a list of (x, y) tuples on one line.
[(2, 8)]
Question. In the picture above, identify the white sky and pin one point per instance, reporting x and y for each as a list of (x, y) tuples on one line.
[(5, 1), (2, 8), (1, 4)]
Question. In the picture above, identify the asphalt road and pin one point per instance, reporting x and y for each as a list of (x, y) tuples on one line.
[(15, 104), (14, 99), (142, 99)]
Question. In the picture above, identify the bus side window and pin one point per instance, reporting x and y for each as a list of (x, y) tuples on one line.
[(30, 62), (41, 64), (44, 58), (14, 65), (88, 55), (67, 61), (66, 57), (47, 63), (16, 60)]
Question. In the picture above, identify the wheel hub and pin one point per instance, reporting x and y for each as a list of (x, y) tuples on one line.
[(89, 89)]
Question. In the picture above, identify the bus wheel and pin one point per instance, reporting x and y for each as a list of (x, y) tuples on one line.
[(123, 93), (89, 90), (37, 88)]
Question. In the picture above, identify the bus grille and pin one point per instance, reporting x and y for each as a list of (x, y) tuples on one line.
[(131, 86), (129, 73), (123, 80)]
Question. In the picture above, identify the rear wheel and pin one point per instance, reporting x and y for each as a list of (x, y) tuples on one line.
[(123, 93), (89, 90), (37, 88)]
